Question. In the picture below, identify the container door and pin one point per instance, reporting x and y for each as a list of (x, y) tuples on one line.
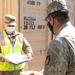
[(34, 28), (70, 5), (74, 11)]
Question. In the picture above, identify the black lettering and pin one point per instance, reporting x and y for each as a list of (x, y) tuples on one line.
[(30, 23), (32, 27), (39, 27), (25, 27), (38, 3), (29, 18), (25, 22), (31, 2)]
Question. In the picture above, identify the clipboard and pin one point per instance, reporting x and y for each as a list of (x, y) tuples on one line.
[(16, 58)]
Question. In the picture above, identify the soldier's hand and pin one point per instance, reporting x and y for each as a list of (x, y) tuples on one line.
[(29, 56), (5, 59)]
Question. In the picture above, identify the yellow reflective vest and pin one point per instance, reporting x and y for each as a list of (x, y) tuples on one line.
[(7, 49)]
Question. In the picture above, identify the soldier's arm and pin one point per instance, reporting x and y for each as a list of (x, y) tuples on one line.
[(26, 46), (27, 49), (57, 59)]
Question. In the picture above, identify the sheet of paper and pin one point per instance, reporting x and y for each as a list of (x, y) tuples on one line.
[(16, 58)]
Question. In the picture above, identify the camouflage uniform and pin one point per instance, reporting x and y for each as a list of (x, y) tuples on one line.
[(60, 58), (61, 52)]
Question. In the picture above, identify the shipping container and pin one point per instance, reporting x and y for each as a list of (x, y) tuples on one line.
[(74, 11), (30, 15), (33, 26)]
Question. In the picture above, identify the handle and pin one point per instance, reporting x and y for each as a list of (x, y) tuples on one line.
[(42, 52)]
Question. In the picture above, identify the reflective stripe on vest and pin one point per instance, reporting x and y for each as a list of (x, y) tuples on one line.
[(1, 39)]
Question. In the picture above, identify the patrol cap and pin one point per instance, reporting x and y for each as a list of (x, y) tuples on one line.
[(10, 19), (57, 5)]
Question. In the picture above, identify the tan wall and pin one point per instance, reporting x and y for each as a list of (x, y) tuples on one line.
[(8, 7)]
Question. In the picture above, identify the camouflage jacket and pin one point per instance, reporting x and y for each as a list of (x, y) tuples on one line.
[(60, 58)]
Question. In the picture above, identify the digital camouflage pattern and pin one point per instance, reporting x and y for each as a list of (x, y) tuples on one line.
[(60, 58), (56, 6)]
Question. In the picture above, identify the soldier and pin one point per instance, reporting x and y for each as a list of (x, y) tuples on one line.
[(12, 42), (60, 58)]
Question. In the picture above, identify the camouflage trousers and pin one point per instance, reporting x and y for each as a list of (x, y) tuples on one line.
[(10, 73)]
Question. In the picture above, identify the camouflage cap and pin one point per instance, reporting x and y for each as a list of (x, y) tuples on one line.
[(56, 6), (10, 19)]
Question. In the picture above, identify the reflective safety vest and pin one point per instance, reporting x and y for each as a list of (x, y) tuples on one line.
[(6, 48)]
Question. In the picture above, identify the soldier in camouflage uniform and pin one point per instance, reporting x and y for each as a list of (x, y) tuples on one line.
[(12, 42), (60, 58)]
